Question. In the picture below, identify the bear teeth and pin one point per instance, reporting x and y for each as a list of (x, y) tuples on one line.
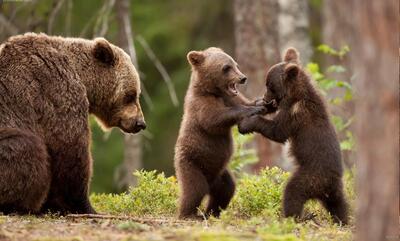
[(232, 88)]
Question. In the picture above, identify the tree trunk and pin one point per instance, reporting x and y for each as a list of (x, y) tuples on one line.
[(132, 143), (294, 28), (263, 30), (257, 48), (294, 32), (375, 59), (336, 33)]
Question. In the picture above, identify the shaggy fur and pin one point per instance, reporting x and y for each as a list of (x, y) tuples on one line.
[(48, 87), (204, 146), (302, 119)]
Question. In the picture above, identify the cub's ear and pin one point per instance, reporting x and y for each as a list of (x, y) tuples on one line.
[(196, 58), (291, 71), (291, 55), (103, 52)]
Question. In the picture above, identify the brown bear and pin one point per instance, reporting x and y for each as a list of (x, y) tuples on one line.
[(48, 87), (204, 145), (303, 120)]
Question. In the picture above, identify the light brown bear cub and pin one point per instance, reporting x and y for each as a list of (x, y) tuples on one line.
[(204, 146)]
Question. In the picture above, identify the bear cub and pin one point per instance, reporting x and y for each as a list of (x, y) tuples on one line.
[(302, 118), (204, 145)]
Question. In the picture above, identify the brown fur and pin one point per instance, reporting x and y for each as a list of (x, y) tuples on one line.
[(204, 144), (302, 119), (48, 87)]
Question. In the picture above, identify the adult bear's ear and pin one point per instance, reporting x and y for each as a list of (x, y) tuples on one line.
[(196, 58), (291, 55), (291, 71), (103, 52)]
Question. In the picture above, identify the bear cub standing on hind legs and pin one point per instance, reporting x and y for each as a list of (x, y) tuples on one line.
[(302, 119), (204, 146)]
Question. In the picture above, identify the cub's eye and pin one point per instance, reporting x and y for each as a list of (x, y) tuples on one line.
[(271, 89), (226, 68), (130, 98)]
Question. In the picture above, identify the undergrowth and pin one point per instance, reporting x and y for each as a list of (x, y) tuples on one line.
[(256, 206), (256, 196)]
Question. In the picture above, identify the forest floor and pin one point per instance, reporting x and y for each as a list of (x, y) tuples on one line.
[(148, 212), (56, 228)]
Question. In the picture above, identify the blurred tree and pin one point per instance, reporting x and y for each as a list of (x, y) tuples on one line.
[(336, 34), (294, 31), (373, 26), (294, 27), (132, 143), (263, 30), (257, 48)]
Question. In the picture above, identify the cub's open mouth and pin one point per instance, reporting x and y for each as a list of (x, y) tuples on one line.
[(273, 103), (232, 88)]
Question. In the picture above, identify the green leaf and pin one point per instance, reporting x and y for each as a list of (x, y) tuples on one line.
[(336, 69), (326, 49), (313, 67), (343, 84), (336, 101), (348, 96)]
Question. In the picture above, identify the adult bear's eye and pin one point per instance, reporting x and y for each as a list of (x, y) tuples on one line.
[(130, 98), (226, 68)]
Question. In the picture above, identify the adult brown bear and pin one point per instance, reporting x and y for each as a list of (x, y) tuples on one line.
[(48, 87)]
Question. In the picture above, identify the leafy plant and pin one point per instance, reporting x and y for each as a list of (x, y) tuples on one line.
[(259, 194), (155, 194), (242, 156), (327, 84)]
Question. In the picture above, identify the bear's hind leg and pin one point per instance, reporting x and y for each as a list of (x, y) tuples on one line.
[(69, 189), (194, 187), (295, 196), (221, 193), (24, 171), (336, 204)]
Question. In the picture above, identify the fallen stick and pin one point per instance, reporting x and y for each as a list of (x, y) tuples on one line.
[(139, 220)]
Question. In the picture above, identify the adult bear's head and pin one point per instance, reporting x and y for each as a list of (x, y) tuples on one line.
[(116, 88)]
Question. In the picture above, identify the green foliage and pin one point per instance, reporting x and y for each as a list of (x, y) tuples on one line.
[(259, 195), (111, 203), (155, 194), (242, 156), (327, 84), (326, 49), (256, 196)]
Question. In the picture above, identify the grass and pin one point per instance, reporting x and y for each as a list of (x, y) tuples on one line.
[(254, 214)]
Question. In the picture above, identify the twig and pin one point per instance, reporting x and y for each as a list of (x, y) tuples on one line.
[(10, 28), (86, 27), (101, 25), (104, 24), (160, 69), (53, 15), (135, 219), (68, 17), (146, 96), (125, 25), (128, 33)]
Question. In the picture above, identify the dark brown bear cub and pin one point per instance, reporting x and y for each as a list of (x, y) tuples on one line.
[(204, 146), (302, 119)]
